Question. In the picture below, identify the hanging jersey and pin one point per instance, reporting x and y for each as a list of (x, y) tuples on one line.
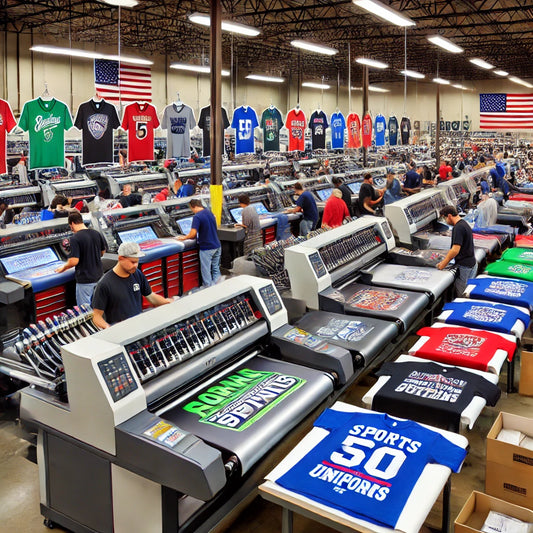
[(393, 131), (510, 270), (368, 464), (244, 121), (296, 124), (46, 122), (318, 122), (367, 130), (380, 125), (271, 123), (430, 393), (7, 123), (97, 120), (502, 290), (140, 120), (405, 129), (178, 120), (354, 131), (204, 123), (463, 347), (338, 126)]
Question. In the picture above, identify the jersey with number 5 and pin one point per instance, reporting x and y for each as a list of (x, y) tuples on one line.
[(369, 463), (140, 120)]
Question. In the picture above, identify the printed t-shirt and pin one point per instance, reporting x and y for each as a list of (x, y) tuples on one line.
[(502, 290), (463, 346), (46, 122), (405, 129), (308, 205), (318, 122), (367, 131), (271, 123), (338, 125), (369, 463), (430, 393), (244, 121), (97, 120), (140, 120), (205, 223), (393, 131), (354, 130), (204, 123), (380, 126), (7, 123), (296, 124), (178, 120), (510, 270), (524, 240), (518, 255)]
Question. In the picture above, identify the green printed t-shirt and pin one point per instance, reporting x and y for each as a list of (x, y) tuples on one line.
[(46, 122)]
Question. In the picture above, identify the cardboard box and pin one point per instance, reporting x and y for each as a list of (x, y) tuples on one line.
[(477, 507), (510, 484), (525, 387)]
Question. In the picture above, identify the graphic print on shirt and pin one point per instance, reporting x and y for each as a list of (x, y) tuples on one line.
[(178, 125), (413, 275), (245, 129), (432, 386), (520, 269), (461, 344), (376, 300), (345, 330), (97, 125), (506, 288), (485, 314)]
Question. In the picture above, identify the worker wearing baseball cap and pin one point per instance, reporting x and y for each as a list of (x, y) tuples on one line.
[(118, 294)]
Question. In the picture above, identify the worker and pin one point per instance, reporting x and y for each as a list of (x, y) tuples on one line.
[(306, 205), (369, 197), (335, 210), (252, 225), (127, 198)]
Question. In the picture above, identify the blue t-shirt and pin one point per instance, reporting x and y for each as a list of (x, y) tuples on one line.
[(369, 463), (412, 179), (308, 205), (393, 131), (503, 290), (379, 127), (244, 121), (484, 315), (338, 125), (205, 223)]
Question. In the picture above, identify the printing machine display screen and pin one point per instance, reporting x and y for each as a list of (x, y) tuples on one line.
[(27, 260), (324, 194), (185, 225), (317, 264), (270, 298), (354, 187), (117, 376), (236, 212), (138, 235)]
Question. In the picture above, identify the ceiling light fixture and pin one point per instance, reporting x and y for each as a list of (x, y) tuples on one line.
[(374, 89), (260, 77), (371, 62), (459, 86), (445, 43), (441, 81), (500, 72), (87, 54), (121, 3), (314, 47), (232, 27), (312, 85), (196, 68), (514, 79), (385, 12), (412, 74), (481, 63)]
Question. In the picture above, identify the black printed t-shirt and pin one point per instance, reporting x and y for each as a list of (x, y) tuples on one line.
[(204, 123), (318, 124), (431, 393)]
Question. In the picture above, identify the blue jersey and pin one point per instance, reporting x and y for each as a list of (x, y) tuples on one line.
[(393, 131), (244, 121), (338, 125), (369, 463), (379, 127), (503, 290)]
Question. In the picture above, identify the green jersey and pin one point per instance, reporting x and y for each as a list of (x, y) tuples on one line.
[(46, 122)]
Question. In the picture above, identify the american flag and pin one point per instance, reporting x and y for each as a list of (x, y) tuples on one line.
[(127, 83), (505, 111)]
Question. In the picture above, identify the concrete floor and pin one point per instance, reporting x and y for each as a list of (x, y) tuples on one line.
[(19, 492)]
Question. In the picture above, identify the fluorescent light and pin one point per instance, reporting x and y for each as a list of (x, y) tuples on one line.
[(481, 63), (196, 68), (375, 89), (74, 52), (313, 47), (232, 27), (384, 12), (500, 72), (121, 3), (441, 81), (514, 79), (315, 85), (412, 74), (459, 86), (260, 77), (371, 62), (445, 43)]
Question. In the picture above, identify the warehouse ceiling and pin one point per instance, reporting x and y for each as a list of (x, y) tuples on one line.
[(498, 31)]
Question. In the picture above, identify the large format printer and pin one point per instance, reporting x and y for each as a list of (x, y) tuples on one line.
[(170, 413)]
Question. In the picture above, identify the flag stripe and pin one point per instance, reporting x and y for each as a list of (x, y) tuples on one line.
[(506, 111)]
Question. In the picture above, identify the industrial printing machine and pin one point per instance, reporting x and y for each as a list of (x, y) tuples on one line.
[(170, 414), (77, 186), (16, 195)]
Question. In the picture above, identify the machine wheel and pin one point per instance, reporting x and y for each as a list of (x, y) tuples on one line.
[(49, 524)]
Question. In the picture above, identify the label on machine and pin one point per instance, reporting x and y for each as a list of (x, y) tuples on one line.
[(165, 433), (117, 376)]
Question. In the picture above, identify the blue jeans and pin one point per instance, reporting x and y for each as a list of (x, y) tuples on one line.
[(210, 266), (464, 273), (306, 226), (84, 293)]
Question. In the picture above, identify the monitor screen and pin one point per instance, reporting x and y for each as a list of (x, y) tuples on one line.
[(236, 213), (260, 208), (324, 194), (354, 187), (138, 235), (36, 258), (185, 225)]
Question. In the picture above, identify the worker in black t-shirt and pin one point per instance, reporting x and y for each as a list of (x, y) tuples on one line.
[(128, 198), (462, 249), (118, 295), (87, 246), (346, 193), (369, 197)]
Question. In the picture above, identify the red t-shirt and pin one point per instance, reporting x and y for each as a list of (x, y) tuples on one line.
[(7, 123), (443, 172), (353, 123), (140, 121), (334, 212), (367, 131), (296, 123)]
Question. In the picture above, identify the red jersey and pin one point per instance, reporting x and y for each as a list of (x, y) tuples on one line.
[(296, 124), (354, 130), (367, 130), (140, 121), (335, 211), (444, 170), (7, 123)]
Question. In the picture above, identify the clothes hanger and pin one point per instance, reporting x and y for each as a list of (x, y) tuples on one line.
[(97, 98), (45, 96), (178, 101)]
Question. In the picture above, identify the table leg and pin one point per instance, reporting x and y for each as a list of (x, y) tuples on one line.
[(446, 506), (286, 520)]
